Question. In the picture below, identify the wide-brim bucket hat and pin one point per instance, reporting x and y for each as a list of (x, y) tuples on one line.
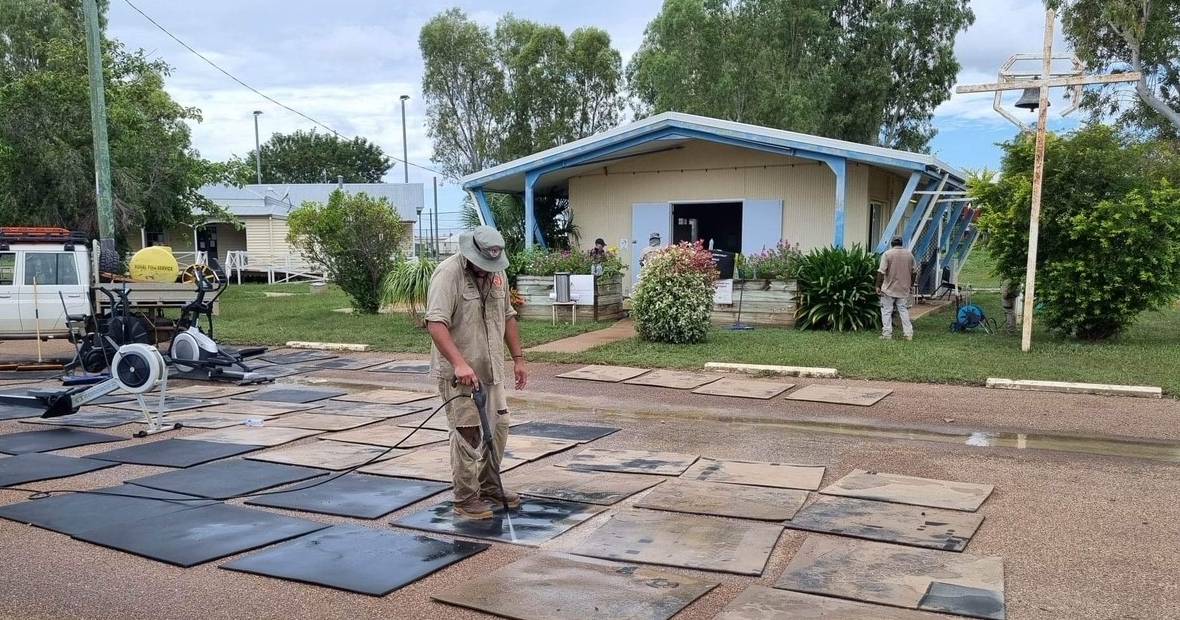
[(484, 247)]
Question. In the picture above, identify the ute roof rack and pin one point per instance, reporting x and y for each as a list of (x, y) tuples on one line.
[(34, 234)]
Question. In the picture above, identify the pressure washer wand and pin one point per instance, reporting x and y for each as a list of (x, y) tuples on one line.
[(489, 439)]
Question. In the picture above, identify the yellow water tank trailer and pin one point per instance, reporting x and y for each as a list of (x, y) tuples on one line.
[(154, 264)]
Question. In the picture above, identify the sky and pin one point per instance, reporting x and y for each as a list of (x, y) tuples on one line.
[(347, 62)]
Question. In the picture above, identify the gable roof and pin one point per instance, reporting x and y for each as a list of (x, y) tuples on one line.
[(669, 127), (278, 200)]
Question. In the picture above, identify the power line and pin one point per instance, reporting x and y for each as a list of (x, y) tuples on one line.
[(255, 90)]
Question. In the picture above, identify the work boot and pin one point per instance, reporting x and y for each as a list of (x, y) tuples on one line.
[(493, 498), (473, 507)]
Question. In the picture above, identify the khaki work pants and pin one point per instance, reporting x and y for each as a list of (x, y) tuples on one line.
[(472, 470)]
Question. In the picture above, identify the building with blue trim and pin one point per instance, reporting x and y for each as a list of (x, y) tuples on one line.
[(741, 188)]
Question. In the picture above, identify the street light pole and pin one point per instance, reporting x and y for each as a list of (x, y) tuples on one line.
[(98, 125), (257, 148), (405, 146)]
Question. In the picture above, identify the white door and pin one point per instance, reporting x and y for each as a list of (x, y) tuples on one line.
[(762, 225), (46, 274), (648, 218), (9, 301)]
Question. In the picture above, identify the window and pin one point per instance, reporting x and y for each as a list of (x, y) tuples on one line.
[(155, 237), (50, 268), (7, 268)]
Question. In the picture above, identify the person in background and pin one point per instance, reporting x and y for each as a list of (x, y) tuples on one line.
[(1009, 291), (653, 245), (895, 278), (597, 257)]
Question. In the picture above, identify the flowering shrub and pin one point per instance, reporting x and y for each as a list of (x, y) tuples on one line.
[(675, 295), (776, 263), (542, 262)]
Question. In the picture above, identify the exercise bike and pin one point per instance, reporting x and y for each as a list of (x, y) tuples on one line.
[(196, 355)]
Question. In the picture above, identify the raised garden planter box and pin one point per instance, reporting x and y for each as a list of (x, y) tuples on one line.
[(763, 302), (607, 304)]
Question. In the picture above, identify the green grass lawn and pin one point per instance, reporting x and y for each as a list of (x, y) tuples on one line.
[(248, 316), (1149, 353), (977, 272)]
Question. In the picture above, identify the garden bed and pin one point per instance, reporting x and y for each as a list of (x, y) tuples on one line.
[(606, 305), (763, 302)]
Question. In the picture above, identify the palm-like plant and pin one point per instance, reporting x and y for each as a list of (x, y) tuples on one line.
[(407, 284), (836, 290)]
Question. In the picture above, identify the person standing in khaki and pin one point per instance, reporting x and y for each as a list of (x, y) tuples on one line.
[(470, 318), (895, 277)]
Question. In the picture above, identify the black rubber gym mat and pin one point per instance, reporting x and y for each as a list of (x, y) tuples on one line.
[(357, 559), (411, 367), (32, 467), (225, 479), (93, 418), (31, 375), (53, 439), (175, 452), (190, 537), (291, 394), (536, 520), (76, 512), (296, 357), (15, 412), (354, 495), (569, 432)]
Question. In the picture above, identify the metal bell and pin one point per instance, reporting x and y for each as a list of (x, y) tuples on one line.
[(1030, 100)]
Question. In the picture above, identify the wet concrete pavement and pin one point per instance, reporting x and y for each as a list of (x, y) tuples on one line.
[(1082, 535)]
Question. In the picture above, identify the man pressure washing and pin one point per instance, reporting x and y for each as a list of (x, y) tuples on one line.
[(470, 318)]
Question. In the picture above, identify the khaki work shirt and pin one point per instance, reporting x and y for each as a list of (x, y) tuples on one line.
[(475, 312), (897, 265)]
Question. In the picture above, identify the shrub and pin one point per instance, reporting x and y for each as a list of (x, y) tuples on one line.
[(541, 262), (675, 295), (1109, 241), (355, 238), (776, 263), (408, 284), (837, 289)]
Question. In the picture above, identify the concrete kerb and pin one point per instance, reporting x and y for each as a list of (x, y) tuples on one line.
[(768, 369), (328, 346), (1134, 391)]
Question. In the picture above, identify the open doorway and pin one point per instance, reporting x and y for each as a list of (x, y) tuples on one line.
[(716, 223)]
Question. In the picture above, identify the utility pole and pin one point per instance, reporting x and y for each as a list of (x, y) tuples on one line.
[(434, 215), (98, 125), (1046, 80), (405, 146), (257, 148)]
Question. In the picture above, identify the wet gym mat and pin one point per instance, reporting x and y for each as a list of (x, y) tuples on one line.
[(70, 513), (839, 394), (744, 388), (528, 449), (602, 488), (357, 559), (353, 495), (227, 479), (759, 603), (99, 417), (901, 489), (314, 421), (30, 375), (432, 463), (278, 371), (16, 412), (563, 587), (171, 404), (52, 439), (333, 455), (685, 541), (534, 522), (209, 391), (674, 379), (631, 461), (757, 473), (949, 530), (956, 583), (725, 500), (403, 366), (260, 408), (567, 432), (255, 435), (608, 374), (190, 537), (287, 394), (389, 435), (384, 397), (439, 423), (33, 467), (370, 410), (296, 357), (212, 419), (174, 452), (348, 363)]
